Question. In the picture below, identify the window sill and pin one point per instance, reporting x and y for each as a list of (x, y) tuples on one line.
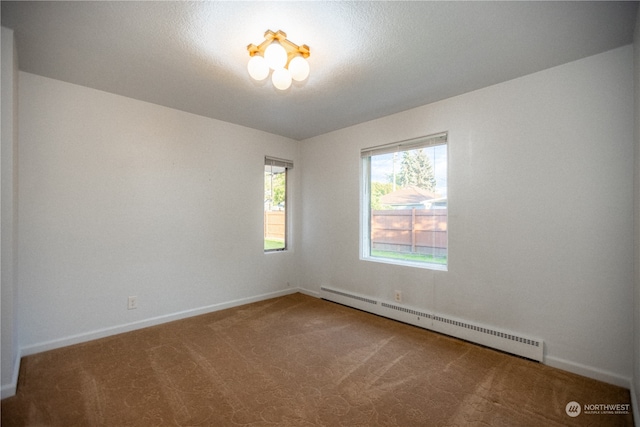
[(424, 265), (276, 251)]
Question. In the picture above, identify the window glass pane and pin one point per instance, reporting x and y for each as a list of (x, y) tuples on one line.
[(275, 214), (408, 206)]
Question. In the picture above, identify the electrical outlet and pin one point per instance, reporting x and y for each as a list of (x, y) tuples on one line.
[(398, 296), (132, 303)]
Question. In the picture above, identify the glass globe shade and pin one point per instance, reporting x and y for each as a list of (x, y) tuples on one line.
[(276, 56), (299, 68), (258, 68), (281, 78)]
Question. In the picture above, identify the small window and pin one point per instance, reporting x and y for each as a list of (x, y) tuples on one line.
[(404, 203), (275, 203)]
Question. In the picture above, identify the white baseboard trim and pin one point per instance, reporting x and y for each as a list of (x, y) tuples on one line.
[(314, 294), (499, 339), (8, 390), (575, 368), (588, 371), (635, 403), (408, 315), (128, 327)]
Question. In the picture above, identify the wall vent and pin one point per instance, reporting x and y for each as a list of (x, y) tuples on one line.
[(406, 310), (484, 330), (479, 334)]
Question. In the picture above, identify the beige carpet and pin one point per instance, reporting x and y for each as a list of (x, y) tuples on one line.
[(296, 361)]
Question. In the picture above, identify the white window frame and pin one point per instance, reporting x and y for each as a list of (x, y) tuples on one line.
[(287, 165), (365, 196)]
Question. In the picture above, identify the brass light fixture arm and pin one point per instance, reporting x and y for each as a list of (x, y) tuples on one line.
[(292, 49)]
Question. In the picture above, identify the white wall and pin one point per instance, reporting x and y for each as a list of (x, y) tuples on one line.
[(8, 214), (540, 211), (120, 197), (636, 322)]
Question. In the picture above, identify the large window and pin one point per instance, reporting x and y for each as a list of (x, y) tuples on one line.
[(404, 202), (275, 203)]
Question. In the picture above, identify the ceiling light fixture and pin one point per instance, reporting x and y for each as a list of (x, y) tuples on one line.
[(287, 60)]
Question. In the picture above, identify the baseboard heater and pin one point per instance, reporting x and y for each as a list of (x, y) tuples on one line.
[(498, 339)]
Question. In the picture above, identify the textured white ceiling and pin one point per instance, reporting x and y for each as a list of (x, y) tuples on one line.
[(368, 59)]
